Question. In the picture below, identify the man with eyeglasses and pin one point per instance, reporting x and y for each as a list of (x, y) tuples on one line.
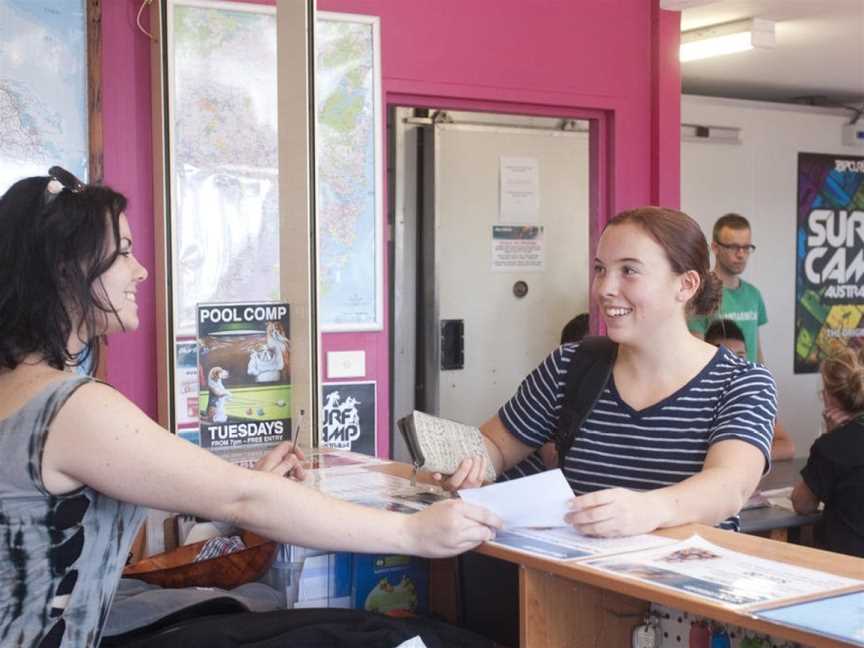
[(742, 301)]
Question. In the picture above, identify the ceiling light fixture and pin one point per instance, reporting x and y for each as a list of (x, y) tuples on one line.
[(727, 38)]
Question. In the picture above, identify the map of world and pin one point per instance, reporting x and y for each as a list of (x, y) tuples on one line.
[(43, 88)]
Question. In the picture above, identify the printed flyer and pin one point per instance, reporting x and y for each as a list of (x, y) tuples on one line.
[(244, 378), (829, 291), (700, 568)]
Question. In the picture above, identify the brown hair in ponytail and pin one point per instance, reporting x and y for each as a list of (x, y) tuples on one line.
[(686, 248)]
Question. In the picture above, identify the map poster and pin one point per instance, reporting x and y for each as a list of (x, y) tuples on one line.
[(829, 265), (349, 180), (224, 167), (244, 378), (43, 88), (348, 417)]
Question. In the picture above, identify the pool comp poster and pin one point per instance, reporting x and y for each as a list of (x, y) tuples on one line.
[(244, 378), (829, 292)]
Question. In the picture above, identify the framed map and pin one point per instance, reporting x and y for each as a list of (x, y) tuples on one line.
[(348, 145), (44, 104)]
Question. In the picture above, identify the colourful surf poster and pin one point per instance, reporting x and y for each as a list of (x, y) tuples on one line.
[(829, 260)]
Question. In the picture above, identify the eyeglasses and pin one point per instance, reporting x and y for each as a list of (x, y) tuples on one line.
[(731, 247), (61, 179)]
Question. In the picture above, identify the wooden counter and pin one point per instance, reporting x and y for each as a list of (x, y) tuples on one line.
[(570, 604)]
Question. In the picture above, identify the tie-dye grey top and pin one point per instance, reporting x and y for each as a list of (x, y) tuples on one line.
[(60, 555)]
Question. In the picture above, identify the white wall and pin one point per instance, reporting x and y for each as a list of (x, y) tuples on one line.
[(758, 179)]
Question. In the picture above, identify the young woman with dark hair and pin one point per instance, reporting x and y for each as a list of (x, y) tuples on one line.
[(682, 430), (80, 460)]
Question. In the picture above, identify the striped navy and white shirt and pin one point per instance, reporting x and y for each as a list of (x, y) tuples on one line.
[(660, 445)]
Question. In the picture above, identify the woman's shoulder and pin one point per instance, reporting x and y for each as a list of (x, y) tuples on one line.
[(844, 443), (23, 386), (738, 373)]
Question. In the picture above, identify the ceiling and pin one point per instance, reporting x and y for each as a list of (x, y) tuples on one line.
[(819, 56)]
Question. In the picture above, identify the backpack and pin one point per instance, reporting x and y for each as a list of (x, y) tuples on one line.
[(587, 376)]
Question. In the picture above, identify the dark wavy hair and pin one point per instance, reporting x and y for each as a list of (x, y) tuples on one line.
[(686, 248), (724, 329), (53, 250)]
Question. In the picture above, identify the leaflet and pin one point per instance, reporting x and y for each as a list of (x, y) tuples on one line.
[(374, 489), (565, 543), (700, 568), (536, 501), (316, 460)]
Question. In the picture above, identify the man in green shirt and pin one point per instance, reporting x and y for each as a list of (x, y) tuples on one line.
[(742, 301)]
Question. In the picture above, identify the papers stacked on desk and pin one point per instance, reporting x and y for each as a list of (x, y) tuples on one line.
[(700, 568)]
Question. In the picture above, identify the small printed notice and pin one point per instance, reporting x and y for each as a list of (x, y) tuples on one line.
[(565, 543), (186, 384), (244, 378), (700, 568), (348, 417), (518, 248), (519, 182)]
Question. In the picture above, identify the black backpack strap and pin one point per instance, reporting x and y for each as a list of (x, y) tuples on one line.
[(587, 376)]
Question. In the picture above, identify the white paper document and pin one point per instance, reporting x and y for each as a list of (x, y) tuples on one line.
[(537, 501), (519, 183)]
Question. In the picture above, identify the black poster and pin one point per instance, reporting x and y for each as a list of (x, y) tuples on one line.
[(348, 417)]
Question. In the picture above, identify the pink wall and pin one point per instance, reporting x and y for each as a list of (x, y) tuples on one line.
[(611, 60), (129, 169)]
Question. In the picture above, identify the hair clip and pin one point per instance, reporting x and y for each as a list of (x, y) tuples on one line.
[(67, 179), (61, 179)]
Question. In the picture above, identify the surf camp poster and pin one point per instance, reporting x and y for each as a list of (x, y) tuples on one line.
[(829, 266), (244, 378), (348, 417)]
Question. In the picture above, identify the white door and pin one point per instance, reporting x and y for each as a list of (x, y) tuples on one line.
[(505, 336)]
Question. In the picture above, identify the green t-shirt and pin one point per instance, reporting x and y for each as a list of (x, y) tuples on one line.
[(745, 307)]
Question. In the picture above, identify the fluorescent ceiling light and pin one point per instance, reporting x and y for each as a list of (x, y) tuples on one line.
[(717, 40)]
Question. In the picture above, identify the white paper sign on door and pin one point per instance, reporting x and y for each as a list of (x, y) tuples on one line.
[(520, 190), (518, 248)]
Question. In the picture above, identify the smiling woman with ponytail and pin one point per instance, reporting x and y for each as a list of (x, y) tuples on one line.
[(681, 431)]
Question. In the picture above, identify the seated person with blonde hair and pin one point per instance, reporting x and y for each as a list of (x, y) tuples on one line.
[(834, 473), (727, 333)]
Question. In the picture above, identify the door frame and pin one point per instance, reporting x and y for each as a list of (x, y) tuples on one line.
[(600, 198)]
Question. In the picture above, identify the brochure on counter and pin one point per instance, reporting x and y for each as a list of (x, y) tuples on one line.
[(700, 568), (565, 543), (373, 489), (839, 617), (317, 460)]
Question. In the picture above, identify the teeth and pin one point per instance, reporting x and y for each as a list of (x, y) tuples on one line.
[(617, 312)]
